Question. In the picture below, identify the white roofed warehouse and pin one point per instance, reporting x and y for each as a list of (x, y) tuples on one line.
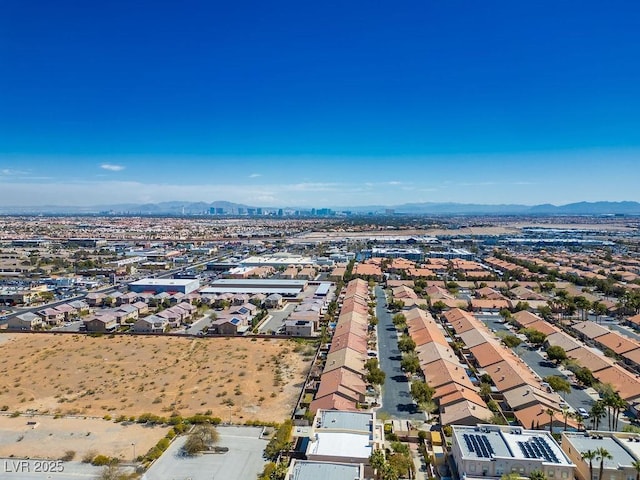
[(169, 285)]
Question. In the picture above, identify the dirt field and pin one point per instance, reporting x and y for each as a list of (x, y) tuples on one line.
[(237, 378), (51, 438)]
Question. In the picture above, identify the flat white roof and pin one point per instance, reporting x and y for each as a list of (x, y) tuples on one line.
[(164, 281), (251, 282), (251, 290), (349, 445), (485, 441), (306, 470)]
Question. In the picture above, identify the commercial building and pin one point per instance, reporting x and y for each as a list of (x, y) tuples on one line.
[(307, 470), (169, 285), (490, 451), (624, 449), (277, 260), (414, 254), (286, 288)]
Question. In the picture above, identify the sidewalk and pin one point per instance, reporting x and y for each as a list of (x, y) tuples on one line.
[(417, 462)]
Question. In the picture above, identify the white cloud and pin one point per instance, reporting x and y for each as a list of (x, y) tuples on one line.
[(112, 167), (9, 172), (255, 175)]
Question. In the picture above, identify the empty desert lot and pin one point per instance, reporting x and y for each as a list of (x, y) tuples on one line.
[(237, 378)]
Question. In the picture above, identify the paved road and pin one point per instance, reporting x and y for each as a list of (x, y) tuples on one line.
[(277, 318), (396, 396), (197, 326), (577, 398)]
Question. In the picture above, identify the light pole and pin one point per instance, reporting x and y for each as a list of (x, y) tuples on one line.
[(134, 451), (229, 414)]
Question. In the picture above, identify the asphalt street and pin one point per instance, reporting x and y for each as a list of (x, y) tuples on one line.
[(396, 395), (577, 398)]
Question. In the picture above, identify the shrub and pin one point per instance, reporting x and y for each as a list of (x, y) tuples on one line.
[(89, 456), (102, 460), (68, 456)]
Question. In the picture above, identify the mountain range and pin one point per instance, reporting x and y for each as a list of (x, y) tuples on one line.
[(204, 208)]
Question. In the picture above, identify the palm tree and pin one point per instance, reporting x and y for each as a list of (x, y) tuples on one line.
[(636, 466), (619, 405), (377, 462), (565, 414), (583, 305), (602, 454), (577, 416), (589, 455), (550, 412), (596, 413)]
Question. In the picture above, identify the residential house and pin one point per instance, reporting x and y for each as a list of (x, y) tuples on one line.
[(142, 307), (127, 298), (273, 301), (94, 299), (25, 321), (227, 326), (101, 323), (126, 313), (150, 324), (51, 316), (299, 328), (68, 311)]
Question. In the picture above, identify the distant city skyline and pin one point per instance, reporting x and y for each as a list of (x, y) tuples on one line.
[(319, 105)]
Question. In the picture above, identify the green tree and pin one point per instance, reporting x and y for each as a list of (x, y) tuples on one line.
[(410, 362), (537, 475), (438, 307), (510, 476), (406, 344), (377, 462), (602, 454), (599, 309), (584, 376), (505, 314), (279, 442), (545, 311), (376, 376), (389, 473), (558, 384), (201, 438), (636, 466), (556, 353), (583, 305), (550, 412), (511, 341), (421, 391), (402, 464), (589, 455), (534, 336), (596, 413)]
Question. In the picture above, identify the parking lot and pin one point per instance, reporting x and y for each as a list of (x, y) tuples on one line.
[(242, 461)]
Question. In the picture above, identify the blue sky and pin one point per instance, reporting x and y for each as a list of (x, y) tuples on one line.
[(323, 104)]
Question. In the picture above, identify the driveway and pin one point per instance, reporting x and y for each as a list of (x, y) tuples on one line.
[(277, 318), (577, 398), (396, 395)]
